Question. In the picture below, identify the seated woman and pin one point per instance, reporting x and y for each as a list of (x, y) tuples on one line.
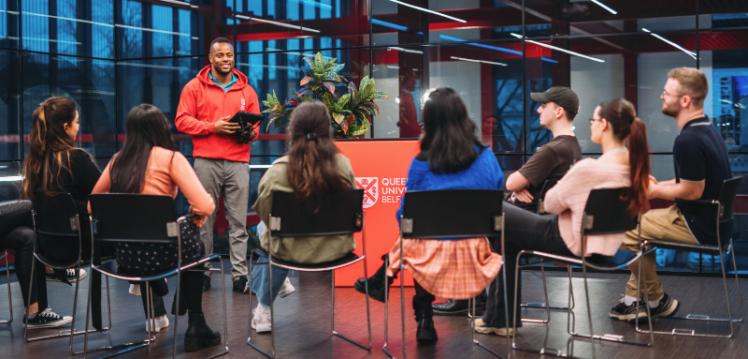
[(149, 164), (624, 163), (53, 165), (311, 168), (451, 157)]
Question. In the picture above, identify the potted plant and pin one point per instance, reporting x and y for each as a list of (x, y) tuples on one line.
[(351, 108)]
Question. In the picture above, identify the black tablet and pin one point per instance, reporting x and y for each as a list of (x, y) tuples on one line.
[(242, 117)]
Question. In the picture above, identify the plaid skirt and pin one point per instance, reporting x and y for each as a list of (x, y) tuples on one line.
[(455, 269)]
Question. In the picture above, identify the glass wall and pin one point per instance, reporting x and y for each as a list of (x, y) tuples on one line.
[(110, 55)]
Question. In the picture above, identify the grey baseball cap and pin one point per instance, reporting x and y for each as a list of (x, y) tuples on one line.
[(560, 95)]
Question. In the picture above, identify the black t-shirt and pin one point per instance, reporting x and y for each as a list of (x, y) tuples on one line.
[(550, 163), (700, 154)]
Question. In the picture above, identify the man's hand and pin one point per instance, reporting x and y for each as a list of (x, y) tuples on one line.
[(224, 127), (523, 196)]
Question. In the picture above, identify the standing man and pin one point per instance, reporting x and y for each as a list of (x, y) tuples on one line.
[(207, 103), (558, 107), (701, 165)]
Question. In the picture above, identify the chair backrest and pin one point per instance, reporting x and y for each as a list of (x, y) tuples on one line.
[(56, 215), (606, 212), (726, 198), (128, 217), (456, 213), (335, 214)]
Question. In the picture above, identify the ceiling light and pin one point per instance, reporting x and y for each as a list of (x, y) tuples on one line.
[(606, 7), (573, 53), (391, 25), (429, 11), (278, 23), (681, 48), (402, 49), (479, 61), (181, 3)]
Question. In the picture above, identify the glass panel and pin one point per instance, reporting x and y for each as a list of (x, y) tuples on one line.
[(9, 104), (89, 82), (163, 28)]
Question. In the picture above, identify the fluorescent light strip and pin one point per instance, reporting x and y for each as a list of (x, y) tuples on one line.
[(478, 61), (391, 25), (11, 178), (429, 11), (402, 49), (681, 48), (573, 53), (492, 47), (606, 7), (278, 23), (182, 3)]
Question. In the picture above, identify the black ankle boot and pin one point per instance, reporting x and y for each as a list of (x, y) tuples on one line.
[(199, 335), (376, 282), (425, 333)]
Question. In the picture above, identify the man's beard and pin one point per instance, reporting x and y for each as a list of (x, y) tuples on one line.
[(217, 69), (668, 111)]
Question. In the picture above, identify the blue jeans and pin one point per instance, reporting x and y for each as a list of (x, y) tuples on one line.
[(260, 278)]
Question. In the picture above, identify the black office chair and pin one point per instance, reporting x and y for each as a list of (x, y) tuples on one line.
[(337, 214), (447, 214), (540, 209), (137, 218), (605, 213), (721, 210), (58, 229)]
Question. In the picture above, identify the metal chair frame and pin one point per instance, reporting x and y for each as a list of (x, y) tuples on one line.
[(723, 211), (173, 234), (283, 200), (589, 227), (411, 224), (75, 227)]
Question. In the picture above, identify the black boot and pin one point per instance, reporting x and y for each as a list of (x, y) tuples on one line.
[(376, 282), (425, 333), (199, 335)]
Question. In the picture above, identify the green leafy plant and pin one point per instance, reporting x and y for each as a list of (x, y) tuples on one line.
[(351, 108)]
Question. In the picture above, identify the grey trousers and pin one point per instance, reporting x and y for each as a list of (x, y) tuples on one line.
[(232, 180)]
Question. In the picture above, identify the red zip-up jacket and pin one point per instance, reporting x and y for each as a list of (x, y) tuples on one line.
[(202, 103)]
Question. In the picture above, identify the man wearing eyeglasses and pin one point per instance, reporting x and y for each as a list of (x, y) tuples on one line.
[(558, 107), (701, 165)]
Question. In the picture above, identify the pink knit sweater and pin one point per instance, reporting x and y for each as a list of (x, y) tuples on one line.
[(569, 196)]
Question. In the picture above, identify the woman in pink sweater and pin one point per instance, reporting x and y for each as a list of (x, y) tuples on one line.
[(624, 162), (149, 164)]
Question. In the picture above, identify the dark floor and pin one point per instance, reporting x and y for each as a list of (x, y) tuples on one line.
[(302, 323)]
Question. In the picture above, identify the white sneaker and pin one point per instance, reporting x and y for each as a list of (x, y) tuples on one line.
[(261, 321), (134, 290), (158, 324), (70, 272), (286, 289)]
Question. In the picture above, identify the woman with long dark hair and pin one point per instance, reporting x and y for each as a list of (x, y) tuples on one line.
[(53, 165), (149, 164), (311, 168), (624, 163), (451, 157)]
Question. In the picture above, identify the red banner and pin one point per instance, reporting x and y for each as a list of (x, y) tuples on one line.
[(381, 169)]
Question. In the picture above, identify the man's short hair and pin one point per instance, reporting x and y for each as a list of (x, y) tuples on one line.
[(219, 40), (693, 83)]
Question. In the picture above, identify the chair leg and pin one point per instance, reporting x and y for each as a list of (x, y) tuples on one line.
[(338, 334), (10, 295), (402, 300), (385, 345)]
